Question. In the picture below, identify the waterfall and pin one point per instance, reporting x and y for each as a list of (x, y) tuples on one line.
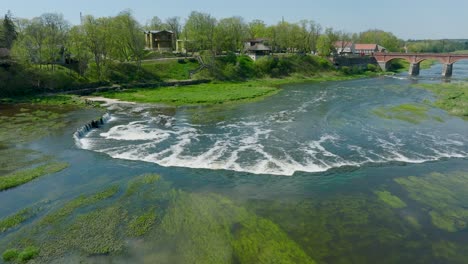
[(82, 131)]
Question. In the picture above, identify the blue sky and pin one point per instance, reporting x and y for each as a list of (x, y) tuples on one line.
[(408, 19)]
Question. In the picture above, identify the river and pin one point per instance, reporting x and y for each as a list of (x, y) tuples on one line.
[(313, 159)]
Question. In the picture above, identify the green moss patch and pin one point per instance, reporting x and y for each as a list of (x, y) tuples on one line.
[(444, 195), (15, 220), (21, 177), (390, 199)]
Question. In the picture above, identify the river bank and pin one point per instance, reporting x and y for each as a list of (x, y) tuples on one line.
[(222, 92)]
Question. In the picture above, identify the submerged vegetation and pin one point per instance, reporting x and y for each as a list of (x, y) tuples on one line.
[(452, 97), (412, 113), (444, 196), (209, 228), (23, 176), (15, 220)]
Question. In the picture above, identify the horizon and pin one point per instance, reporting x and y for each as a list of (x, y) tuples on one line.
[(448, 25)]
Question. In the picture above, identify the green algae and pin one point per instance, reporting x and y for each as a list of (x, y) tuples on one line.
[(30, 123), (209, 228), (390, 199), (413, 221), (412, 113), (16, 219), (444, 196), (136, 184), (12, 159), (140, 225), (340, 229), (76, 203), (23, 176), (94, 233)]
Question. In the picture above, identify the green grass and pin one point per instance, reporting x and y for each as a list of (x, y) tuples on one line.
[(218, 93), (14, 255), (170, 69), (195, 94), (452, 97), (15, 220), (390, 199), (21, 177)]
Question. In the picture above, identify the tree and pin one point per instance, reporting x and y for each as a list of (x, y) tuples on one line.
[(98, 40), (8, 33), (173, 24), (230, 34), (200, 31), (56, 29), (127, 39), (380, 37), (155, 24), (324, 45), (257, 29)]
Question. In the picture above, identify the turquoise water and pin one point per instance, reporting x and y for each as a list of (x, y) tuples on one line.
[(312, 160)]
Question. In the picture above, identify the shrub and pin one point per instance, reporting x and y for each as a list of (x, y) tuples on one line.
[(10, 254), (28, 253)]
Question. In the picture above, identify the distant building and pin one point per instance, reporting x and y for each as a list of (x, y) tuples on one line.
[(256, 48), (344, 47), (159, 40), (368, 49)]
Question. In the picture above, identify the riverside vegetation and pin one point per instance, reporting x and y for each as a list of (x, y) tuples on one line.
[(211, 228)]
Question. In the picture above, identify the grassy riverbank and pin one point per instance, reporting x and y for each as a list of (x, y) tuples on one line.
[(221, 92), (452, 97)]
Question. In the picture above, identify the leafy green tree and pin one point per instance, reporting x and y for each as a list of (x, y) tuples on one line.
[(98, 39), (127, 39), (200, 31), (380, 37), (324, 45), (257, 29), (230, 34)]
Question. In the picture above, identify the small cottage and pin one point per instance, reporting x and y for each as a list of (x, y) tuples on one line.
[(368, 49), (159, 40), (344, 47), (256, 48)]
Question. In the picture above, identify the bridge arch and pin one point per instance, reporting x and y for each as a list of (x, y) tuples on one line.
[(416, 58)]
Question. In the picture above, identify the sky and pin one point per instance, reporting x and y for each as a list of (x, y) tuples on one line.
[(407, 19)]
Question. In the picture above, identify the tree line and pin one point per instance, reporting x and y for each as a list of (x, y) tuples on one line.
[(50, 38)]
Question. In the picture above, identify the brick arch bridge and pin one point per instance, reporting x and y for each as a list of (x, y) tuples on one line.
[(415, 59)]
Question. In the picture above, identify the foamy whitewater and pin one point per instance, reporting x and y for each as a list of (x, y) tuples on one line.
[(301, 129)]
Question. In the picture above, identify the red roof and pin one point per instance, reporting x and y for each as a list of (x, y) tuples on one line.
[(365, 46), (343, 44)]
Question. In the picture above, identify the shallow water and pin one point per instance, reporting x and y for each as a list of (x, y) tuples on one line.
[(310, 159)]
